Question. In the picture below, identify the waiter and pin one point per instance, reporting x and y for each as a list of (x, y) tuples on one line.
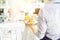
[(49, 18)]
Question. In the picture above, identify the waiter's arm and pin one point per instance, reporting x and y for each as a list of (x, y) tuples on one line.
[(42, 26)]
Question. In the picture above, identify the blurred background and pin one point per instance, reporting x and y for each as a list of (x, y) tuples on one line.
[(20, 13)]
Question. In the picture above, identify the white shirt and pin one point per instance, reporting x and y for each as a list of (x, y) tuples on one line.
[(55, 0), (50, 22)]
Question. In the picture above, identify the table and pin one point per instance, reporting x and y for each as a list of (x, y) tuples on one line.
[(11, 31)]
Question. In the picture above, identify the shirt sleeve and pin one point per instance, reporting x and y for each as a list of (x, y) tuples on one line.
[(42, 26)]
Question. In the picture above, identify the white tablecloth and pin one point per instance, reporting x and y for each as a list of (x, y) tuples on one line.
[(11, 31), (14, 31)]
